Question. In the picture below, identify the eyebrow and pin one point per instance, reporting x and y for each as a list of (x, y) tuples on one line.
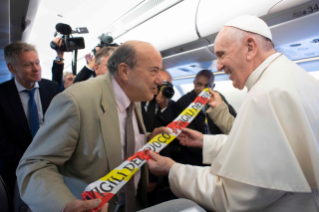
[(156, 67)]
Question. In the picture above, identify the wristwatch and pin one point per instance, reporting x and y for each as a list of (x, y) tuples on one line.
[(59, 59)]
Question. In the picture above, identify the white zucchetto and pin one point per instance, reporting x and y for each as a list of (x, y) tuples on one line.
[(252, 24)]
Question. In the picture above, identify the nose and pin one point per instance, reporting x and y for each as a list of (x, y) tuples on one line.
[(219, 66), (36, 67)]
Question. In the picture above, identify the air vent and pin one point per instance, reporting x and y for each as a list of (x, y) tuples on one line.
[(295, 45), (290, 53), (185, 70), (303, 49), (315, 40), (310, 53)]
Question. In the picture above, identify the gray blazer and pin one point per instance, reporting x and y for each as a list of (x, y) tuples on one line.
[(78, 144)]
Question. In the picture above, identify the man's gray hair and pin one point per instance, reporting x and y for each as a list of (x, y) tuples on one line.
[(125, 53), (65, 74), (104, 52), (13, 50), (240, 35)]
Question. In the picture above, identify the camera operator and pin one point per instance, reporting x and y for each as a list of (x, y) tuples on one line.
[(96, 66), (159, 112), (68, 79), (58, 66)]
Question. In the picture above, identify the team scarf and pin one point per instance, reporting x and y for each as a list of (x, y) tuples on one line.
[(106, 187)]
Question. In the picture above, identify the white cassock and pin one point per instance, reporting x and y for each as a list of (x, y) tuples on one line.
[(270, 159)]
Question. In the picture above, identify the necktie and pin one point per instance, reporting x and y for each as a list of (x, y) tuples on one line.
[(33, 113), (129, 151), (150, 114)]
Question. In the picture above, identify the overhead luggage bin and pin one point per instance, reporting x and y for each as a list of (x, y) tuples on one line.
[(168, 29), (212, 15), (202, 54)]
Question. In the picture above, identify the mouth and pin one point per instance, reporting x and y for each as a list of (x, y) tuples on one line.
[(228, 72)]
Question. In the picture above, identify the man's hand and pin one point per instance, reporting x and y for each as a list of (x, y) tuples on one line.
[(159, 165), (90, 60), (190, 138), (215, 99), (80, 205), (157, 131), (162, 101)]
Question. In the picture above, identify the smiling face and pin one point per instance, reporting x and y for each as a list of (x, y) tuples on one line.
[(27, 71), (143, 79), (231, 57)]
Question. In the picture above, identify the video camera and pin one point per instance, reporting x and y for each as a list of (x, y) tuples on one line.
[(105, 40), (167, 89), (69, 44)]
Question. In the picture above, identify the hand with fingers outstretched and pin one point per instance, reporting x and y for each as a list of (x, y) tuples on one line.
[(83, 206), (159, 165), (190, 138)]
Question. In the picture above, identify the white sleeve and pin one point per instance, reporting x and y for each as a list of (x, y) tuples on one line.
[(216, 193), (212, 144)]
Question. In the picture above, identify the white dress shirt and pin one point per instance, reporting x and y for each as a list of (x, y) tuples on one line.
[(123, 103), (24, 96)]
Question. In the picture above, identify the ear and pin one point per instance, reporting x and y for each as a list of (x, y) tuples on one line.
[(96, 69), (251, 46), (11, 68), (123, 71)]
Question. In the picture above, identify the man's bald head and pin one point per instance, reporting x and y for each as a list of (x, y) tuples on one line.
[(127, 53)]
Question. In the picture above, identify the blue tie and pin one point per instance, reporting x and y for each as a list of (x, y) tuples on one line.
[(33, 113)]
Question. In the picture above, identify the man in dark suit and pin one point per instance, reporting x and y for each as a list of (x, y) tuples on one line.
[(158, 112), (23, 103), (202, 123), (96, 66)]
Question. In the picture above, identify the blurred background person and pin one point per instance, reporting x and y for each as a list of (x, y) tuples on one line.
[(68, 79), (96, 66), (158, 112), (202, 123)]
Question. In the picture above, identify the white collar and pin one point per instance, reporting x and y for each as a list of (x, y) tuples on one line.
[(22, 88), (253, 77)]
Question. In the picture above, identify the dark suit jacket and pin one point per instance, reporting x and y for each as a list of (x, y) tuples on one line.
[(160, 119), (84, 74), (193, 156), (15, 135)]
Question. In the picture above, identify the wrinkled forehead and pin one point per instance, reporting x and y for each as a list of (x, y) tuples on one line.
[(222, 38), (226, 40)]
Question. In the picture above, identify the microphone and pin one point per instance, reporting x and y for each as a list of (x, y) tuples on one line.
[(64, 29)]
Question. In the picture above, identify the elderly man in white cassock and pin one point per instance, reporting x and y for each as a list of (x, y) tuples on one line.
[(270, 159)]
